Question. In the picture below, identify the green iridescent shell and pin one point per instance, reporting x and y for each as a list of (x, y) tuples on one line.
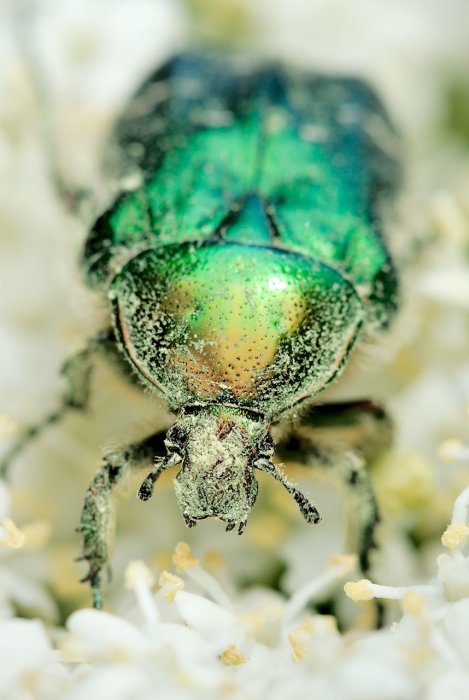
[(243, 265), (251, 326)]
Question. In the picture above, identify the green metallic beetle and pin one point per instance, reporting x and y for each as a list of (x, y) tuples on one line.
[(240, 271)]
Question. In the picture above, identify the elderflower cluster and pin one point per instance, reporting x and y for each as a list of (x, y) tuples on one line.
[(187, 637)]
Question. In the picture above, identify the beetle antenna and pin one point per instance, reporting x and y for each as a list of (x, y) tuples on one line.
[(145, 491), (308, 511)]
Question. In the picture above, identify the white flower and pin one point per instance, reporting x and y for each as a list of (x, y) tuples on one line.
[(27, 660), (255, 645), (450, 684)]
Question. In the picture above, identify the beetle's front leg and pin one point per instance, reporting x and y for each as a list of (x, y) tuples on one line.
[(97, 523)]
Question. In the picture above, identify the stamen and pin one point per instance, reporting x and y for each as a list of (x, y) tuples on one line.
[(313, 588), (457, 531), (366, 590), (461, 508), (298, 638), (359, 590), (454, 535), (231, 656), (413, 603), (170, 585), (12, 536), (444, 650), (183, 558), (185, 562), (453, 450), (139, 578), (8, 427)]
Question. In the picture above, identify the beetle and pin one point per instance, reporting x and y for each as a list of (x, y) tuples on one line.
[(241, 269)]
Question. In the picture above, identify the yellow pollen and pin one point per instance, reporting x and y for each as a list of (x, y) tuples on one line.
[(232, 657), (298, 638), (173, 584), (12, 537), (359, 590), (413, 603), (454, 535), (71, 651), (419, 656), (299, 648), (251, 622), (30, 682), (138, 572), (345, 562), (8, 427), (449, 449), (214, 560), (183, 558)]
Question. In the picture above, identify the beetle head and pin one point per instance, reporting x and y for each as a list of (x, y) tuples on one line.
[(218, 450)]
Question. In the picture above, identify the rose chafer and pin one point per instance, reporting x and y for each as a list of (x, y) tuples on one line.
[(241, 271)]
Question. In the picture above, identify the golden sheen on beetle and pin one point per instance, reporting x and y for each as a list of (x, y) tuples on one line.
[(240, 273)]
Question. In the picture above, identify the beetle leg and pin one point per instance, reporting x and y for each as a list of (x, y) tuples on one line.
[(359, 432), (77, 371), (96, 523), (363, 426)]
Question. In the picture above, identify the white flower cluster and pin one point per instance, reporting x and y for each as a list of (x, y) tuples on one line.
[(209, 645)]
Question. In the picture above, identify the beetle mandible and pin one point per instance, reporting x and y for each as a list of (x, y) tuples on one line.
[(240, 273)]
